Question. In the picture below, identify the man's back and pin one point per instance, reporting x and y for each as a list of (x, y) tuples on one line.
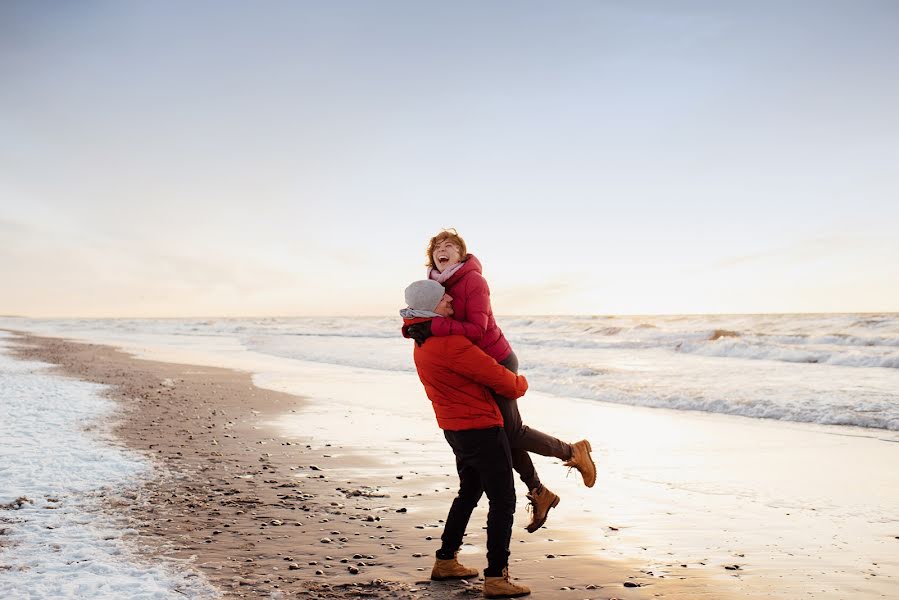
[(458, 377)]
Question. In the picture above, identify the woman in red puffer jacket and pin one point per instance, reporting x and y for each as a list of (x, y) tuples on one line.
[(450, 264)]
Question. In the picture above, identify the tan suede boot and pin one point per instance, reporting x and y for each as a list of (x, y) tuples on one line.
[(451, 568), (541, 501), (501, 587), (583, 462)]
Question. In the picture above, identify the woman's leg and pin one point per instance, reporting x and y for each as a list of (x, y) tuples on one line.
[(524, 439)]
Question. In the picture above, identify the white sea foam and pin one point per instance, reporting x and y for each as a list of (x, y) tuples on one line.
[(833, 369), (800, 353), (56, 542)]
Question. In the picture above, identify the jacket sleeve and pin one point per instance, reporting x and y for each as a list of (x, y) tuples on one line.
[(477, 309), (477, 365)]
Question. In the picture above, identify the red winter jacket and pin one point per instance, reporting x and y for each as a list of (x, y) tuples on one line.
[(458, 377), (473, 316)]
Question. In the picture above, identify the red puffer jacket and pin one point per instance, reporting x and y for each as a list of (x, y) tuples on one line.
[(456, 375), (473, 316)]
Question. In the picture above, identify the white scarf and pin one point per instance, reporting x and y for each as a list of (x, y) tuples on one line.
[(411, 313), (442, 277)]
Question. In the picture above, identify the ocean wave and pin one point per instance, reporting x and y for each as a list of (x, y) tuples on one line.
[(609, 330), (836, 339), (730, 348), (723, 333), (809, 410), (875, 321), (754, 366)]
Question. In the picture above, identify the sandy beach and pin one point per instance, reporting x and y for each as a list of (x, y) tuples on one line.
[(260, 513), (677, 219), (270, 493)]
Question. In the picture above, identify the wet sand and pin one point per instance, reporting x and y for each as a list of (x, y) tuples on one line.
[(265, 514)]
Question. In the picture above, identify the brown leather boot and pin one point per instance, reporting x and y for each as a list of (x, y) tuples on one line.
[(583, 462), (501, 587), (451, 568), (541, 501)]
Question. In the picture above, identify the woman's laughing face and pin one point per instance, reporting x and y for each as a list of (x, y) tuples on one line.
[(446, 254)]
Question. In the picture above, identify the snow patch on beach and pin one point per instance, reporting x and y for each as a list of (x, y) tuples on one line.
[(56, 465)]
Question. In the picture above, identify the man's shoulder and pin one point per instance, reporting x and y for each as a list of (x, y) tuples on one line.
[(439, 348), (457, 342), (450, 354), (444, 343)]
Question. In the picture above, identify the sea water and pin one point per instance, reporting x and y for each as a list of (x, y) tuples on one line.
[(57, 464), (827, 369), (794, 502)]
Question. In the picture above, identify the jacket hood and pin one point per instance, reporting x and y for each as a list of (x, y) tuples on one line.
[(471, 264)]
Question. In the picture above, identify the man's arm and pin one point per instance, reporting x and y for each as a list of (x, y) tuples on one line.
[(479, 366)]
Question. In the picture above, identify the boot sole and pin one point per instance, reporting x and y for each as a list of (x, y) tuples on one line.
[(452, 577), (540, 524), (517, 595), (589, 450)]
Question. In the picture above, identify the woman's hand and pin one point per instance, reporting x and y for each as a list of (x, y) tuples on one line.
[(419, 332)]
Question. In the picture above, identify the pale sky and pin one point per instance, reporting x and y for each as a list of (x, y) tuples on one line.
[(293, 158)]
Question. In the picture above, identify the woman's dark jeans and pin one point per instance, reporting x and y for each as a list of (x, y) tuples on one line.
[(523, 439), (484, 464)]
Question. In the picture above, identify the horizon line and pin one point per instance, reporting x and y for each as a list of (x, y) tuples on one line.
[(540, 315)]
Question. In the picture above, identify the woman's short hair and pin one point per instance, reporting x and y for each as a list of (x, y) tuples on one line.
[(446, 234)]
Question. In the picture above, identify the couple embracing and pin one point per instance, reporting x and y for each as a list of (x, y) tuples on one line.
[(469, 373)]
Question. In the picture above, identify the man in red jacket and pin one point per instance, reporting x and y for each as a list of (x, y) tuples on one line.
[(458, 377)]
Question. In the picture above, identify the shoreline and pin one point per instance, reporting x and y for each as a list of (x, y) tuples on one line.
[(683, 497), (259, 513), (220, 491)]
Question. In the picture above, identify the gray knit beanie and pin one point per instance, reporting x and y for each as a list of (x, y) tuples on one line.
[(425, 295)]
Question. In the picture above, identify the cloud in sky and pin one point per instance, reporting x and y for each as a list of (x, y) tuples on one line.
[(220, 159)]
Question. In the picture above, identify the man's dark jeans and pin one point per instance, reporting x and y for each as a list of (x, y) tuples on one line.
[(484, 463), (523, 439)]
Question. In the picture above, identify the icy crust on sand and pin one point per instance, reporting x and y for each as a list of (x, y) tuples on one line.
[(54, 472)]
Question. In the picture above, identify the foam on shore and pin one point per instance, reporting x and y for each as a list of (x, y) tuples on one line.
[(56, 466)]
